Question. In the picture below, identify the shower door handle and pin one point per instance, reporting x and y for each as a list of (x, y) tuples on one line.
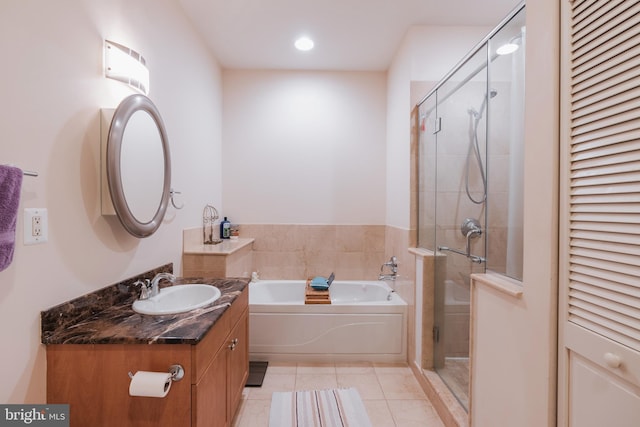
[(437, 126)]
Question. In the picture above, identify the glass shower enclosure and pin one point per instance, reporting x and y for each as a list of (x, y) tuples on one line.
[(470, 203)]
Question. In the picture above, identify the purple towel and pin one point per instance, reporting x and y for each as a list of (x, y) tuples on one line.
[(10, 183)]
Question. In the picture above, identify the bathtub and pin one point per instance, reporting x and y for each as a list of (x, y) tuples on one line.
[(364, 322)]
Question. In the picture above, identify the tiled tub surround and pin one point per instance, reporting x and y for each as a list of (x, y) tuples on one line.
[(106, 316), (352, 252), (299, 251)]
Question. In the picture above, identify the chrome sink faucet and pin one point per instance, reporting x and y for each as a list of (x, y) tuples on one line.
[(392, 264), (156, 280), (145, 291), (150, 288)]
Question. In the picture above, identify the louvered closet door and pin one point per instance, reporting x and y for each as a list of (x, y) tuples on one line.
[(600, 292)]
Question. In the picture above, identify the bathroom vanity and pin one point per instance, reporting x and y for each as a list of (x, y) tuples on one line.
[(92, 347)]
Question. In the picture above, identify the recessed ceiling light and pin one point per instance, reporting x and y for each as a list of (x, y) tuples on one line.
[(304, 44)]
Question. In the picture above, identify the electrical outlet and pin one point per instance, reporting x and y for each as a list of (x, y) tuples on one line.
[(35, 226)]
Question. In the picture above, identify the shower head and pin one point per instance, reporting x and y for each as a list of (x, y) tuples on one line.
[(478, 115)]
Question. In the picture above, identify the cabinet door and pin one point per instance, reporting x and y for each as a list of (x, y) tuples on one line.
[(92, 378), (598, 397), (209, 394), (238, 362)]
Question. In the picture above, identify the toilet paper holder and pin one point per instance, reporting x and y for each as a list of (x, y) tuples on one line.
[(176, 371)]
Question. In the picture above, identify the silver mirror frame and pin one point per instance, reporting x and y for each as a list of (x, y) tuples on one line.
[(121, 116)]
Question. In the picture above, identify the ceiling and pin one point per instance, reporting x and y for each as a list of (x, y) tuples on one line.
[(348, 34)]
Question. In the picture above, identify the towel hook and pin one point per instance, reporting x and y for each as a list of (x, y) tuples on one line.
[(172, 193)]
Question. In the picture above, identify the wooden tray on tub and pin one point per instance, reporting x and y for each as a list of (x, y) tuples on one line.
[(312, 296)]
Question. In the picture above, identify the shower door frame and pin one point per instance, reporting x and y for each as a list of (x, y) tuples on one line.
[(459, 111)]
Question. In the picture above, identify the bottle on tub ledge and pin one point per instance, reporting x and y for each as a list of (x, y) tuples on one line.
[(225, 229), (235, 231)]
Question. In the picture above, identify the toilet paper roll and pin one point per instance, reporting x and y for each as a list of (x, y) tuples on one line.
[(150, 384)]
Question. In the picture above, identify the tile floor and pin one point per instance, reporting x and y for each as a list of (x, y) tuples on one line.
[(390, 392)]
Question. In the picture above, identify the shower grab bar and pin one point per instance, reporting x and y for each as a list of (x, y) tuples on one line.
[(474, 258), (470, 228)]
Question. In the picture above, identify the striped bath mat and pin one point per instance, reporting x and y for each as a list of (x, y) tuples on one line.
[(318, 408)]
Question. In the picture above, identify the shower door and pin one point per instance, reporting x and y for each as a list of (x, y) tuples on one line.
[(460, 215), (470, 186)]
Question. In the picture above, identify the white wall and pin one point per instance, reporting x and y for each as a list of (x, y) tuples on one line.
[(426, 54), (52, 89), (304, 147)]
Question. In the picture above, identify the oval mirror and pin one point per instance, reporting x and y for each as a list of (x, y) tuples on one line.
[(138, 165)]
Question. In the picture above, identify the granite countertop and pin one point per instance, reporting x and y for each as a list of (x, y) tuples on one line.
[(106, 317)]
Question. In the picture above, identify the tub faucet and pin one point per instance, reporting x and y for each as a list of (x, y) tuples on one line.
[(156, 280), (390, 294), (392, 264)]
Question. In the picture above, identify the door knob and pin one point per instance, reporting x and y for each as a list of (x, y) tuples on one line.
[(612, 360)]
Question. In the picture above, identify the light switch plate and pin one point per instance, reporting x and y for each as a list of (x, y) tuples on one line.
[(36, 226)]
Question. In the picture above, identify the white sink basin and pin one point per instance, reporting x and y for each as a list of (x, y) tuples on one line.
[(178, 299)]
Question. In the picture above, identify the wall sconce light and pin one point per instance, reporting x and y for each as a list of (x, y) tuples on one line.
[(126, 65)]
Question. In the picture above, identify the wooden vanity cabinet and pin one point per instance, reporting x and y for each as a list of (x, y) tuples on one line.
[(227, 370), (93, 378)]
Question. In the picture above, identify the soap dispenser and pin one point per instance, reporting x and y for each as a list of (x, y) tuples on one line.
[(225, 229)]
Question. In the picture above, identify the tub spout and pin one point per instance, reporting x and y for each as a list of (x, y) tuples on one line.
[(390, 294)]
